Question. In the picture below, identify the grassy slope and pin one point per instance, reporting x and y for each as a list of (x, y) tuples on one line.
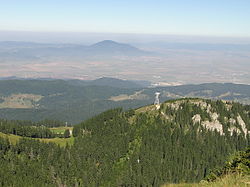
[(60, 130), (60, 141), (12, 138), (228, 181)]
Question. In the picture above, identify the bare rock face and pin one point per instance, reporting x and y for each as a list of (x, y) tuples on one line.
[(175, 106), (196, 118), (213, 125), (242, 124), (232, 121), (214, 116), (165, 116), (234, 129), (157, 107)]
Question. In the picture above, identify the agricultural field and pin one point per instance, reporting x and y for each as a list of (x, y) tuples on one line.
[(23, 101)]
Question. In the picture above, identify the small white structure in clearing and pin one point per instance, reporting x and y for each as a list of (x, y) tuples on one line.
[(157, 100)]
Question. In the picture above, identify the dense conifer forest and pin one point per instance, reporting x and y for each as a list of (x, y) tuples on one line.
[(182, 141)]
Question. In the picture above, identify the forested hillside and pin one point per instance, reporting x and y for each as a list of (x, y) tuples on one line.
[(73, 101), (30, 129), (235, 172), (179, 141)]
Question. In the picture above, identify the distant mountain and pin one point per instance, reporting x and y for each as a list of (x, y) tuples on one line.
[(106, 48), (112, 82), (76, 100), (104, 81), (113, 48), (198, 46), (112, 45), (19, 44), (10, 78)]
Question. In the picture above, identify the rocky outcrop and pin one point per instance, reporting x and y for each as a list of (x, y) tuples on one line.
[(213, 125), (196, 118), (242, 124)]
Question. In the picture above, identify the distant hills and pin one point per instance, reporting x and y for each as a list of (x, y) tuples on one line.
[(168, 63), (118, 83), (107, 48), (76, 100), (103, 81), (200, 46)]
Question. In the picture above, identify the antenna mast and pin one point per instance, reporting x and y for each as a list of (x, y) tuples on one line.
[(157, 100)]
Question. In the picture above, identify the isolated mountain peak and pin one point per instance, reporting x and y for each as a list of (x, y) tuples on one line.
[(115, 48), (107, 42), (111, 43)]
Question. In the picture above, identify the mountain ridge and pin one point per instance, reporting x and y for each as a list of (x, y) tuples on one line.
[(102, 48), (212, 115), (78, 100)]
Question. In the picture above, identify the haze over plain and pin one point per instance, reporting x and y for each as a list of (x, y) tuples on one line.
[(182, 41)]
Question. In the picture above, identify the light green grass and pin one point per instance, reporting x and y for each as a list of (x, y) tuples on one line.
[(59, 141), (227, 181), (12, 138), (60, 130)]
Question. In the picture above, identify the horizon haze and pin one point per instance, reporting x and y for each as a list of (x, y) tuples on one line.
[(165, 42)]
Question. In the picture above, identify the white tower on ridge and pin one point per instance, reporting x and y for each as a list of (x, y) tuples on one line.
[(157, 101)]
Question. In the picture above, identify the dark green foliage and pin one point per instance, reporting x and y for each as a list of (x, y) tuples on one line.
[(51, 123), (44, 123), (130, 113), (26, 129), (28, 163), (239, 163), (66, 133)]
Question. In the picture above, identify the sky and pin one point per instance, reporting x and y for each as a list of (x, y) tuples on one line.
[(226, 18)]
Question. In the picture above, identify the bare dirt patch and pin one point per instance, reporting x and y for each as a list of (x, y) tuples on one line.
[(20, 101), (136, 96)]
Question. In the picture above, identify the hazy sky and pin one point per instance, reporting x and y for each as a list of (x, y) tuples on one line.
[(181, 17)]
